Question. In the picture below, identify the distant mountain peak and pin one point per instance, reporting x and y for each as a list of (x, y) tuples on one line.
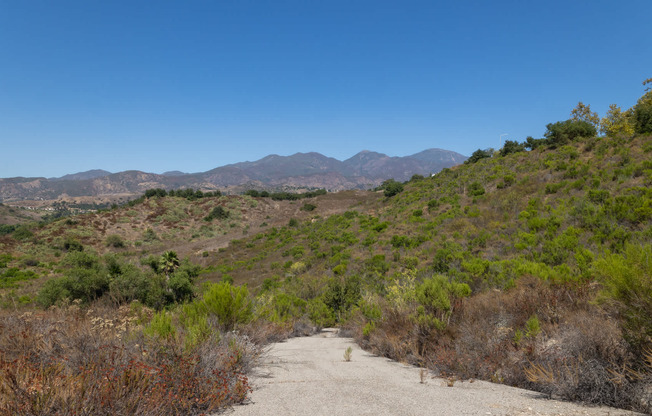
[(174, 173), (80, 176)]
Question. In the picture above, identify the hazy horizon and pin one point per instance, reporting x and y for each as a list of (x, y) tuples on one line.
[(241, 161)]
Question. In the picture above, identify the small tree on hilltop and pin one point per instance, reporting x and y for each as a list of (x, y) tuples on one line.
[(511, 146), (617, 122), (563, 132), (643, 111), (478, 155), (583, 113)]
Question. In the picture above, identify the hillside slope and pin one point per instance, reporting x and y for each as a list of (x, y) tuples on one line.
[(531, 269), (549, 207)]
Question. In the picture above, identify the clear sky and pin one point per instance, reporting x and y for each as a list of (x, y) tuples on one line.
[(192, 85)]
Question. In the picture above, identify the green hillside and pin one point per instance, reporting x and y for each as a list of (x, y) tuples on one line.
[(545, 213)]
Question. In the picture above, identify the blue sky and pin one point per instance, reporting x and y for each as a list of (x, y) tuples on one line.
[(192, 85)]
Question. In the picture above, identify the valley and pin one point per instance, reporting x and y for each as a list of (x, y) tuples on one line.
[(524, 267)]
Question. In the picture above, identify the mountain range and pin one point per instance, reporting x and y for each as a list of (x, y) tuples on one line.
[(298, 171)]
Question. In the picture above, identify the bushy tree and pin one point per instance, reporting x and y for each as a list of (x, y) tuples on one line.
[(392, 187), (643, 111), (563, 132), (478, 155), (643, 117), (158, 192), (531, 143), (512, 146), (583, 113), (617, 122), (218, 213), (342, 294)]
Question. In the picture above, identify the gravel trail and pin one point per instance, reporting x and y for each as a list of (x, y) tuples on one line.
[(308, 376)]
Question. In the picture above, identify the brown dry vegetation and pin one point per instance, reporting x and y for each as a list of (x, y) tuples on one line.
[(97, 361), (578, 353)]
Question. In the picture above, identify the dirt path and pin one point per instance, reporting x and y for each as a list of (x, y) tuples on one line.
[(308, 376)]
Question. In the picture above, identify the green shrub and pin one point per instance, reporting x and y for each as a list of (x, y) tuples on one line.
[(81, 259), (218, 213), (130, 284), (368, 329), (149, 235), (160, 326), (22, 233), (10, 277), (72, 245), (7, 229), (5, 259), (598, 196), (230, 304), (78, 283), (380, 227), (320, 314), (115, 241), (340, 269), (399, 241), (475, 189), (532, 327), (52, 292), (342, 294), (286, 307), (376, 264), (553, 188), (437, 295), (627, 286), (181, 285), (193, 317)]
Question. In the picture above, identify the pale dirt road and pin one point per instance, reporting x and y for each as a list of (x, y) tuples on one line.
[(308, 376)]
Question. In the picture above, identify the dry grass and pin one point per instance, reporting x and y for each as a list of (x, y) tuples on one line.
[(83, 362), (579, 354)]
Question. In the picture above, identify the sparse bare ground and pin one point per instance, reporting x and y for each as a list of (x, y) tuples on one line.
[(309, 376)]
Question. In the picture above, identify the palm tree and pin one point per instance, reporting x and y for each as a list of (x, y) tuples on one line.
[(169, 263)]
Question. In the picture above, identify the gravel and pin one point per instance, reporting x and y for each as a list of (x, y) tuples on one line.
[(309, 376)]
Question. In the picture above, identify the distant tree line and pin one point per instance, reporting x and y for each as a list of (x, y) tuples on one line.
[(285, 196), (189, 193)]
